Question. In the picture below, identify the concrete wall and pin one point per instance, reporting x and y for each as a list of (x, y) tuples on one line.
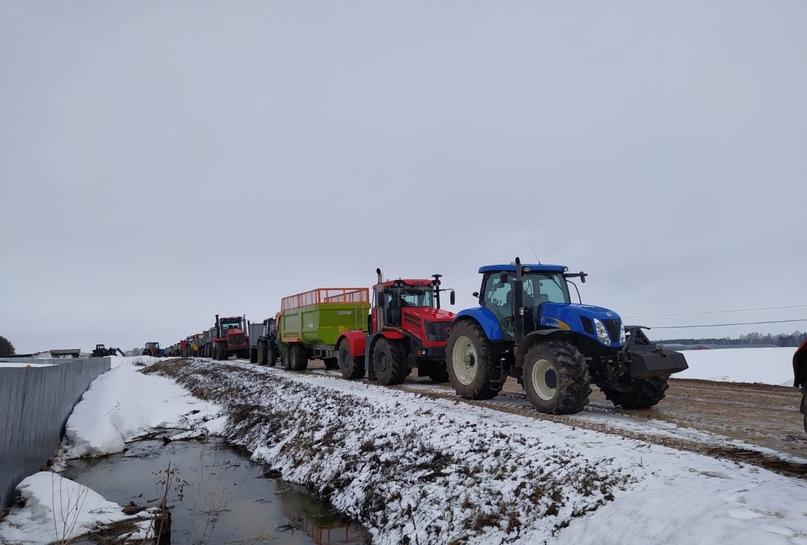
[(35, 403)]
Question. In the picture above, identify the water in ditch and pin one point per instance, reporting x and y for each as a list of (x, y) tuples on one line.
[(216, 495)]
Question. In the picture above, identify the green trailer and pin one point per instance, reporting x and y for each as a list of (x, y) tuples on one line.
[(311, 324)]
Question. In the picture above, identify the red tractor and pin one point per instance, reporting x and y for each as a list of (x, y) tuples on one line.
[(231, 338), (407, 330)]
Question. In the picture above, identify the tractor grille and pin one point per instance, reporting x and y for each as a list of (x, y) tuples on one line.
[(237, 339), (437, 331), (613, 329)]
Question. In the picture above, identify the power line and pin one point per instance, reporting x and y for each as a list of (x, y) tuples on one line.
[(725, 325), (713, 312)]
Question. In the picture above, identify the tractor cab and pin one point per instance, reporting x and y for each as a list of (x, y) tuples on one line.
[(540, 284), (412, 306), (153, 349)]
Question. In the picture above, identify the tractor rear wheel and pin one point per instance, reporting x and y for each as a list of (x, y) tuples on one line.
[(644, 393), (389, 360), (351, 367), (470, 362), (555, 377), (298, 358)]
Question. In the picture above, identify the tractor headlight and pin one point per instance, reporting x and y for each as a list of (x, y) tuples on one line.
[(622, 336), (602, 333)]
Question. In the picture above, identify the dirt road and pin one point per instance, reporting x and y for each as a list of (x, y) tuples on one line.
[(753, 423)]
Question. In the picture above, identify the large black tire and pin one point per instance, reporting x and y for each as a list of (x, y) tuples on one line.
[(253, 355), (469, 356), (555, 377), (271, 355), (439, 372), (298, 357), (331, 363), (389, 362), (803, 407), (286, 358), (260, 357), (221, 352), (643, 394), (351, 367)]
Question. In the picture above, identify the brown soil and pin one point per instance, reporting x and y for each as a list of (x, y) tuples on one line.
[(756, 424), (751, 423)]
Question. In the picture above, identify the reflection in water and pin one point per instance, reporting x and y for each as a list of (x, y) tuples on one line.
[(215, 494), (323, 525)]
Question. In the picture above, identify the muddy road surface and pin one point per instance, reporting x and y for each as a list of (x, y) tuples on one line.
[(756, 423), (751, 423)]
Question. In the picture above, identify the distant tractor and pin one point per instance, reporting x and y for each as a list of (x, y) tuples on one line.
[(153, 349), (527, 327), (800, 377), (100, 351), (265, 348), (231, 338)]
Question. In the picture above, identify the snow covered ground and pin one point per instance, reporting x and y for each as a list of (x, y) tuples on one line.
[(489, 477)]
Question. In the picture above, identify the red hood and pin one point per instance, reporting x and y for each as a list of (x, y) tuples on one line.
[(430, 314)]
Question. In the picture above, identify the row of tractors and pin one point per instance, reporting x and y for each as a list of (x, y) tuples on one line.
[(525, 326), (232, 336)]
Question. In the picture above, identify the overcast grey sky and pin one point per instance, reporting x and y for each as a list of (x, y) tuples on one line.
[(162, 162)]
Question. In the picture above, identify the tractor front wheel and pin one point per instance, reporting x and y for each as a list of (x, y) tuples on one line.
[(221, 352), (389, 360), (470, 362), (260, 357), (555, 377), (351, 367), (644, 393)]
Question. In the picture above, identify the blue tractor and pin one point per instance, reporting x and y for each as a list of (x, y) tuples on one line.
[(527, 327)]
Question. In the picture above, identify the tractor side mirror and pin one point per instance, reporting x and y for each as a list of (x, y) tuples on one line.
[(381, 301), (503, 277), (451, 297)]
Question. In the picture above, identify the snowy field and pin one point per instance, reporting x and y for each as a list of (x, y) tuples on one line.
[(634, 492)]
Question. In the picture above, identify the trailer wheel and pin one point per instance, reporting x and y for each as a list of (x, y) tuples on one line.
[(260, 357), (644, 393), (389, 360), (331, 363), (286, 359), (253, 355), (351, 367), (221, 352), (470, 362), (555, 377), (298, 358)]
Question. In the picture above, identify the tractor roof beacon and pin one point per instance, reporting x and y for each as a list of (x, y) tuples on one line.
[(527, 327)]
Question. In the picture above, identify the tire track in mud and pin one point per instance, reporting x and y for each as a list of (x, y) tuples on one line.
[(517, 403), (758, 415)]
